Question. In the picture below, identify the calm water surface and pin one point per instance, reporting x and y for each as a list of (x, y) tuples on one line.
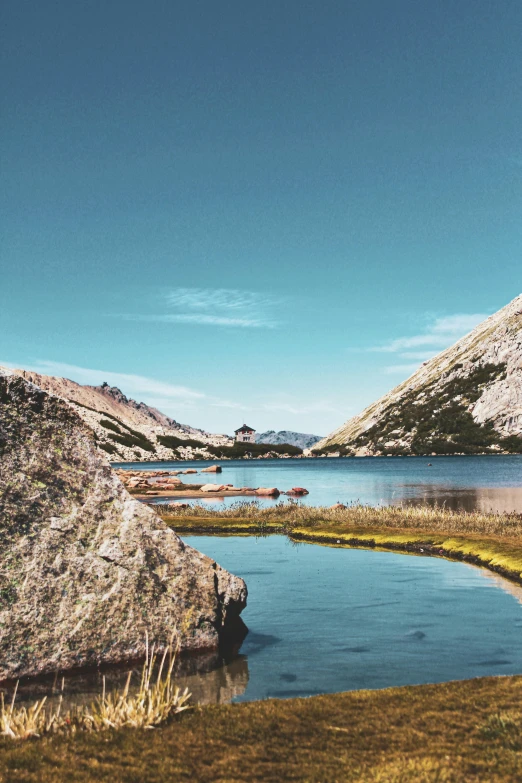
[(323, 620), (488, 483)]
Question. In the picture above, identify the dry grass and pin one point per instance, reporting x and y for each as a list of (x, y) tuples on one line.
[(292, 514), (24, 722), (457, 732), (155, 700)]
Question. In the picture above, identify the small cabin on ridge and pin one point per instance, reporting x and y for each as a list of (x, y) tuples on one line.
[(245, 434)]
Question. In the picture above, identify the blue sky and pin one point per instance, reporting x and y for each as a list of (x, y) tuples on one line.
[(268, 212)]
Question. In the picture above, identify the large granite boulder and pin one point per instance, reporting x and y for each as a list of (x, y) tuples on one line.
[(85, 570)]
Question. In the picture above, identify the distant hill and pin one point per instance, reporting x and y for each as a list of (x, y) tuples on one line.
[(468, 399), (299, 439), (127, 430)]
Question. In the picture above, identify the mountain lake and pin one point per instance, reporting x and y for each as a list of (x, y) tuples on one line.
[(470, 483)]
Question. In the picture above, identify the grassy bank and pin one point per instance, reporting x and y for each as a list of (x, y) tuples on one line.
[(445, 733), (449, 733), (490, 540)]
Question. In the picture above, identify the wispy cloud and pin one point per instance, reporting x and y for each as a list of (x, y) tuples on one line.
[(215, 402), (418, 355), (290, 405), (301, 409), (220, 299), (203, 319), (438, 335), (227, 307), (172, 398)]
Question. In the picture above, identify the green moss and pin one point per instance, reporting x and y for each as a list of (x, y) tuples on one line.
[(492, 552), (493, 541)]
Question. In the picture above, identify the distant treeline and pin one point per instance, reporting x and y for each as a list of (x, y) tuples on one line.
[(237, 451)]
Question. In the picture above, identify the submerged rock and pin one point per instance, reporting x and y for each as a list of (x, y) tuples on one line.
[(85, 570)]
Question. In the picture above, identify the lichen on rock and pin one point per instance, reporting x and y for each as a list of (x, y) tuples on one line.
[(86, 571)]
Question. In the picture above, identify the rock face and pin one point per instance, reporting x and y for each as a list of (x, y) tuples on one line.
[(212, 488), (125, 429), (85, 570), (300, 439), (468, 399)]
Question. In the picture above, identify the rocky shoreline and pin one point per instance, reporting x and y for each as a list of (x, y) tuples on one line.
[(144, 484)]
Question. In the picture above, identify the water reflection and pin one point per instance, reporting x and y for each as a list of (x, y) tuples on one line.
[(497, 500), (327, 619), (508, 587), (207, 676), (219, 686)]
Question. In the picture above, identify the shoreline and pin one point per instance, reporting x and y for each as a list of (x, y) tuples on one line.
[(314, 458), (420, 548), (500, 553), (197, 494)]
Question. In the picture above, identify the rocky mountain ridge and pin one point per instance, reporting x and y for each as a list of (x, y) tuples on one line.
[(300, 439), (467, 399), (127, 430)]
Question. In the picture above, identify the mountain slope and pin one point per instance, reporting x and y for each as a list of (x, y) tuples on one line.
[(468, 399), (126, 429), (300, 439)]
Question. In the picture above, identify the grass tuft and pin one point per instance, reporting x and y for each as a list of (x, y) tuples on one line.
[(26, 722), (156, 699), (154, 702)]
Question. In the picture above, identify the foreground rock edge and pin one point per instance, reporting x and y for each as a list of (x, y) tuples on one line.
[(86, 571)]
